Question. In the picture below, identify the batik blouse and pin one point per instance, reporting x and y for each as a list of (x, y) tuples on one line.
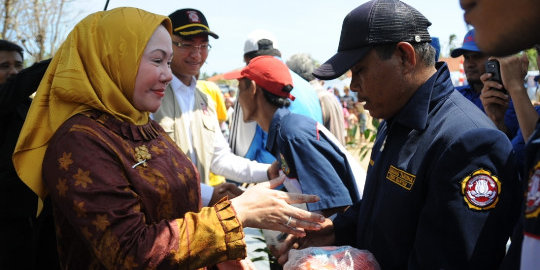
[(125, 197)]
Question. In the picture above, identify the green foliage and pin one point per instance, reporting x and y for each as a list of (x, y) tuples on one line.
[(531, 55), (370, 134), (452, 44), (267, 256)]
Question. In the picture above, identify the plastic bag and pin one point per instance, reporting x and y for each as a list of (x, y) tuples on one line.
[(331, 257)]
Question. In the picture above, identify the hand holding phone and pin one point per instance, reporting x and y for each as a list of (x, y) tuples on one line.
[(493, 67)]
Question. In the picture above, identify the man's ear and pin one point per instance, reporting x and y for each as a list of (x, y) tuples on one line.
[(407, 55), (250, 85)]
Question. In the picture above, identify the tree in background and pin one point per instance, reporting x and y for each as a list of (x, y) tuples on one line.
[(39, 26)]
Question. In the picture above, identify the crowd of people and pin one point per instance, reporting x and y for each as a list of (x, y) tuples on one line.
[(125, 159)]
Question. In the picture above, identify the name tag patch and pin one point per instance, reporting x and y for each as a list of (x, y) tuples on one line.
[(400, 177), (481, 190)]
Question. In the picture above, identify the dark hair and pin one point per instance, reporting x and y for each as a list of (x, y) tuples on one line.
[(278, 101), (10, 47), (424, 49), (266, 47)]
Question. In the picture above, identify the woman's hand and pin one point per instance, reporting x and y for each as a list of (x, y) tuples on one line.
[(262, 207)]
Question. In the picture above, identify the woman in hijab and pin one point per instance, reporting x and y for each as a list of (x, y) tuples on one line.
[(124, 196)]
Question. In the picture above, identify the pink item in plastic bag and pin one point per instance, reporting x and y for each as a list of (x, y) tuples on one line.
[(331, 257)]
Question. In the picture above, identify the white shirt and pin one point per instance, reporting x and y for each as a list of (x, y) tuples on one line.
[(224, 162)]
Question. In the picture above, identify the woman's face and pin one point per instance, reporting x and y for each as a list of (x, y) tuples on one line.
[(154, 72)]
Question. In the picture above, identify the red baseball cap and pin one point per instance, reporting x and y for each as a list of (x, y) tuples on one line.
[(268, 72)]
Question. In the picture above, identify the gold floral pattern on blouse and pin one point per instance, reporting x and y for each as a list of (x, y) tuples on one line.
[(79, 208), (189, 172), (101, 222), (157, 150), (87, 234), (181, 177), (62, 187), (108, 246), (82, 178), (142, 155), (129, 263), (65, 161)]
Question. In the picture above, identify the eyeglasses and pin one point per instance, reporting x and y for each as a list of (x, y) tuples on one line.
[(190, 47)]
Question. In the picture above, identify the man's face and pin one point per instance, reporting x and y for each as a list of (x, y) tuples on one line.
[(474, 66), (503, 27), (379, 83), (189, 55), (11, 63)]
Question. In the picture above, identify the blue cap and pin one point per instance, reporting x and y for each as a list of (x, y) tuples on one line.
[(469, 45)]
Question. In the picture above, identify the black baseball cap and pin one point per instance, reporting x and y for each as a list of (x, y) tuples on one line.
[(190, 22), (376, 22)]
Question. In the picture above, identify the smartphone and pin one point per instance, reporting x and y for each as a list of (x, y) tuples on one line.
[(493, 67)]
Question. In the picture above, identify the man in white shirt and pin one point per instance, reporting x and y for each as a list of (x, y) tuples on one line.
[(188, 115)]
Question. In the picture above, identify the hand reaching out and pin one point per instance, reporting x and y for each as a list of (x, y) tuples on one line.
[(262, 207)]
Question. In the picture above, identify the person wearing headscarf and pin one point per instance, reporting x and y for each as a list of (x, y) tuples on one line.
[(124, 196)]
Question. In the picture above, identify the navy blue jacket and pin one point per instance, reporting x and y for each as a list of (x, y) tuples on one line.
[(510, 117), (441, 189), (313, 157), (532, 172)]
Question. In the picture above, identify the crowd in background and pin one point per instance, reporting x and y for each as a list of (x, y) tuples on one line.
[(137, 168)]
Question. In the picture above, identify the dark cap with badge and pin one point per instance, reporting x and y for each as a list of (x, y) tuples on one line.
[(190, 22), (376, 22)]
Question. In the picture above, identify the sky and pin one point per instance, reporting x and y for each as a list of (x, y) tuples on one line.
[(300, 26)]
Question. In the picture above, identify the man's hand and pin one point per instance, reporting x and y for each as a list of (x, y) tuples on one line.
[(494, 101), (222, 190), (513, 71), (273, 170), (323, 237)]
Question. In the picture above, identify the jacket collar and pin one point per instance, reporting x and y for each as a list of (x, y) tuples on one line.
[(415, 113), (273, 130)]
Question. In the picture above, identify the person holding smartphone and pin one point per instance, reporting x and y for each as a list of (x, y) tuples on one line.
[(496, 98), (474, 64)]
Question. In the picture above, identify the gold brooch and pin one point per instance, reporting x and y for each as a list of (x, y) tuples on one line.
[(141, 155)]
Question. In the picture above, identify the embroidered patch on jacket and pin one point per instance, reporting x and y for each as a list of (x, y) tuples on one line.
[(400, 177), (532, 207), (481, 190), (284, 167)]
